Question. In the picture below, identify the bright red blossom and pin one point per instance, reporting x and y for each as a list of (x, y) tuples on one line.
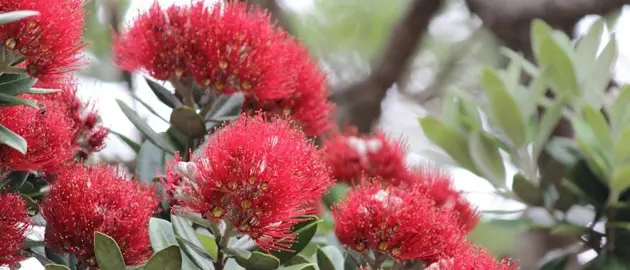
[(474, 258), (403, 224), (352, 157), (51, 41), (437, 183), (89, 199), (14, 224), (258, 174)]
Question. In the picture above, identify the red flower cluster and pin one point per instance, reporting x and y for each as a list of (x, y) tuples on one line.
[(228, 49), (437, 184), (84, 200), (474, 258), (50, 42), (352, 157), (400, 223), (259, 175), (14, 224)]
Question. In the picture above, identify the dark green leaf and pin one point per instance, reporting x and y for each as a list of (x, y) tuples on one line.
[(107, 252), (226, 105), (259, 261), (169, 258), (330, 258), (12, 140), (132, 144), (150, 160), (526, 190), (188, 122), (10, 100), (163, 94), (298, 259), (485, 154), (161, 235), (304, 232), (305, 266), (15, 84), (151, 135), (137, 98), (12, 16), (56, 267)]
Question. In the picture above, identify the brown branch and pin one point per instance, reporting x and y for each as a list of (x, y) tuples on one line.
[(275, 12), (362, 99)]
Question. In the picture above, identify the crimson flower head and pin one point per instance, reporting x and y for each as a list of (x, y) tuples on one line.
[(437, 183), (14, 224), (227, 48), (89, 199), (48, 131), (473, 258), (352, 157), (258, 175), (402, 224), (50, 42)]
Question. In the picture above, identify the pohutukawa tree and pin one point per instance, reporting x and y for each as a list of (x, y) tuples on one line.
[(237, 181)]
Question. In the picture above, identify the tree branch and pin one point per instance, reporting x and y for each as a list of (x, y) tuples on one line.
[(276, 13), (362, 99)]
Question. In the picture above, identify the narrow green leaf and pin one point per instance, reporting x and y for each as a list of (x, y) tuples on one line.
[(133, 145), (621, 179), (546, 126), (330, 258), (144, 127), (15, 84), (304, 232), (107, 252), (620, 110), (540, 31), (599, 126), (169, 258), (56, 267), (153, 111), (305, 266), (40, 91), (598, 78), (452, 142), (259, 261), (621, 152), (163, 94), (192, 251), (504, 109), (561, 68), (586, 48), (515, 57), (209, 243), (485, 154), (527, 191), (10, 100), (12, 16), (12, 140), (184, 229)]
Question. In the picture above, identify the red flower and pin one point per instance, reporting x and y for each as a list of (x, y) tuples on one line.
[(14, 223), (351, 157), (474, 258), (89, 199), (228, 49), (437, 184), (402, 224), (51, 41), (258, 175)]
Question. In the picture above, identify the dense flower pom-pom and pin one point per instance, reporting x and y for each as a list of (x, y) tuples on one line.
[(14, 224), (228, 48), (89, 199), (474, 258), (51, 41), (402, 224), (436, 182), (258, 174), (352, 157)]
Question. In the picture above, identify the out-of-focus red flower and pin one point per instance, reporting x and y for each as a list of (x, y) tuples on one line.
[(437, 183), (352, 157), (50, 42), (14, 224), (259, 175), (473, 258), (89, 199), (228, 48), (402, 224)]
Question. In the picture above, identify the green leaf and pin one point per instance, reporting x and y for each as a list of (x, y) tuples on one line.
[(163, 94), (298, 259), (620, 179), (561, 70), (12, 16), (184, 229), (304, 232), (161, 235), (330, 258), (586, 48), (599, 126), (485, 154), (15, 84), (188, 122), (143, 127), (137, 98), (621, 152), (559, 263), (40, 91), (56, 267), (515, 57), (10, 100), (540, 31), (304, 266), (12, 140), (169, 258), (191, 250), (107, 252), (132, 144), (620, 110), (526, 190), (226, 105), (452, 142), (596, 82), (151, 160), (259, 261), (547, 123), (238, 253), (504, 109), (209, 243)]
